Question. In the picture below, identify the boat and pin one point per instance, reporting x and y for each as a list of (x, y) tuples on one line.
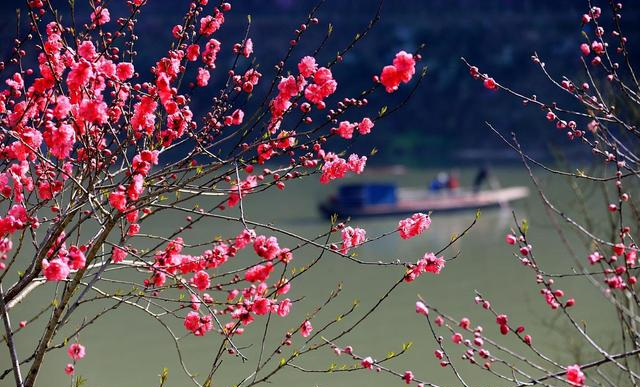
[(382, 199)]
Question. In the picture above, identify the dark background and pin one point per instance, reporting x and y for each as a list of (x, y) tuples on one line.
[(444, 122)]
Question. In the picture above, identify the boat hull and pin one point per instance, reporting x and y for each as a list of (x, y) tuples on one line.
[(412, 201)]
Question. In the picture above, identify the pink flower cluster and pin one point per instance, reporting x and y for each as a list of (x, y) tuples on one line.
[(402, 70), (429, 264), (352, 237), (60, 260), (414, 226), (345, 129), (336, 167)]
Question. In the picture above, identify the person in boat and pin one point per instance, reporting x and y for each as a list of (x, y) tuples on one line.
[(439, 182), (480, 178), (453, 183)]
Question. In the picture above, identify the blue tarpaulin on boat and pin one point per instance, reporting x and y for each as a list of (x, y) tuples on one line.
[(367, 194)]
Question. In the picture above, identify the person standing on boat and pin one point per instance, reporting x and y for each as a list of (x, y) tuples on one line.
[(440, 182), (481, 176), (454, 182)]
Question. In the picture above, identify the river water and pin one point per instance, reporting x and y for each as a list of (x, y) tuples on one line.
[(128, 348)]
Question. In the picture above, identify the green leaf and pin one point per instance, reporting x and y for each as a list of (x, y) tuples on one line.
[(478, 214), (382, 111), (164, 375), (390, 354), (407, 345), (80, 381), (330, 29), (282, 362), (525, 226), (249, 19)]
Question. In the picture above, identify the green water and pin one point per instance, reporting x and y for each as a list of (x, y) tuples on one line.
[(128, 348)]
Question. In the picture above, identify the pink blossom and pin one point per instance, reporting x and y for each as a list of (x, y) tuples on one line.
[(118, 200), (306, 328), (210, 24), (345, 129), (134, 228), (333, 168), (236, 117), (244, 238), (390, 78), (60, 140), (203, 77), (365, 126), (210, 53), (322, 76), (93, 111), (124, 71), (259, 273), (407, 377), (284, 307), (76, 258), (575, 376), (192, 321), (405, 65), (76, 351), (55, 270), (118, 254), (367, 362), (261, 306), (352, 237), (144, 117), (421, 308), (433, 264), (87, 50), (69, 369), (201, 280), (193, 52), (100, 16), (307, 66), (413, 226), (136, 187), (356, 164), (266, 248), (247, 48)]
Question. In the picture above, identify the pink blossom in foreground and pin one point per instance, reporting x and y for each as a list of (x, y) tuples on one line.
[(307, 66), (345, 129), (118, 200), (124, 70), (100, 16), (402, 70), (198, 325), (421, 308), (284, 307), (429, 263), (55, 270), (407, 377), (76, 351), (367, 362), (202, 79), (69, 369), (365, 126), (575, 376), (352, 237), (245, 238), (306, 328), (201, 280), (266, 247), (414, 225)]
